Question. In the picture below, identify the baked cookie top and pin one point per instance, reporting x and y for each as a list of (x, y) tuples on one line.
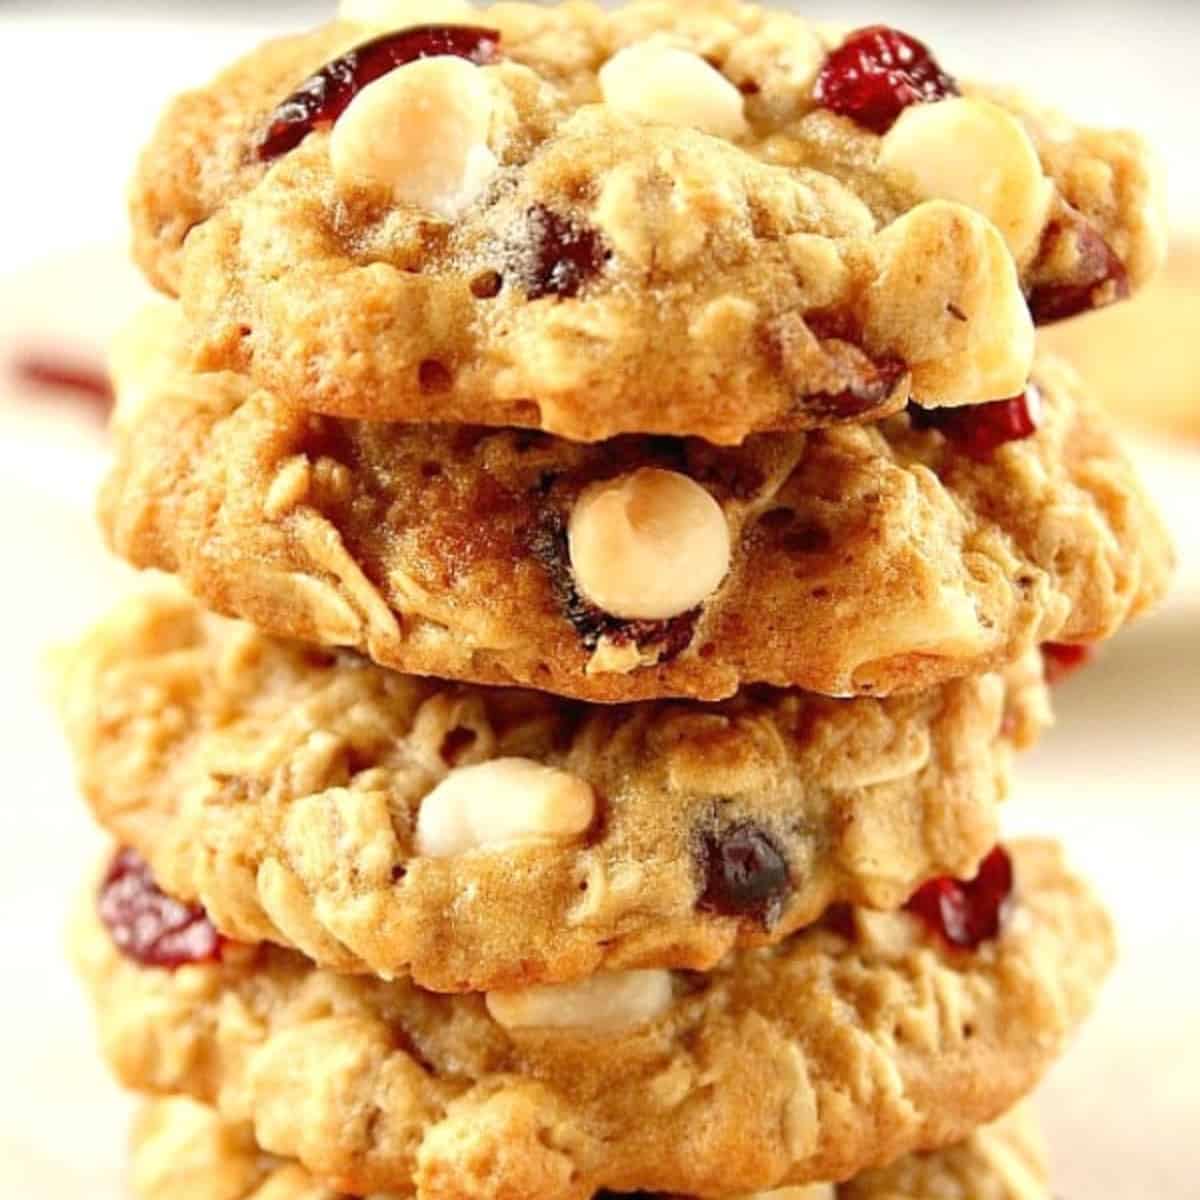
[(182, 1150), (861, 559), (707, 220), (311, 799), (843, 1048)]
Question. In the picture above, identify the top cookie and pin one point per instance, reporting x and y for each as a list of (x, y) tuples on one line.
[(705, 219)]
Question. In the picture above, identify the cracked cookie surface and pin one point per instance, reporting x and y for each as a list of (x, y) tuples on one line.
[(866, 559), (291, 792), (676, 235), (183, 1151), (867, 1044)]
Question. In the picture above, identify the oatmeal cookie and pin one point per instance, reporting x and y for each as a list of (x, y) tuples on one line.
[(675, 219), (855, 1042), (861, 559), (184, 1151), (314, 800)]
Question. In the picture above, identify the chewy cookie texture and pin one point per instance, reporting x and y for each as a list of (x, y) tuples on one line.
[(183, 1151), (701, 219), (478, 838), (863, 1038), (625, 534), (866, 559)]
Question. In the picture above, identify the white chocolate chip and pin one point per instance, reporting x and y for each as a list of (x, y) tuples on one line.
[(975, 152), (649, 545), (422, 132), (665, 85), (606, 1002), (500, 802), (947, 300), (398, 14)]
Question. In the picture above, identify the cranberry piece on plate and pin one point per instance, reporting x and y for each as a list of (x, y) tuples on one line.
[(967, 913), (745, 873), (1062, 660), (979, 430), (147, 925), (66, 375), (876, 73), (323, 97)]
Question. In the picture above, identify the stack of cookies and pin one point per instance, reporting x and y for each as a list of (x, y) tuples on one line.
[(626, 533)]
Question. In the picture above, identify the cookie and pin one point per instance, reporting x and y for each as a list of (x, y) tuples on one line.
[(693, 220), (315, 800), (856, 560), (184, 1151), (849, 1045), (1138, 360)]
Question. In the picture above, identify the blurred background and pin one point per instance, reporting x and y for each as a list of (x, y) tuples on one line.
[(1119, 779)]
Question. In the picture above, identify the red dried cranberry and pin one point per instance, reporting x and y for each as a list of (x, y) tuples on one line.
[(877, 377), (1097, 279), (149, 926), (964, 914), (979, 430), (62, 374), (839, 919), (876, 73), (864, 397), (323, 97), (565, 254), (1062, 660), (745, 873)]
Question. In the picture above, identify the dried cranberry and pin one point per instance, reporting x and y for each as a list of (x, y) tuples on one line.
[(860, 398), (1095, 279), (979, 430), (1062, 660), (323, 97), (876, 73), (870, 380), (565, 254), (839, 919), (62, 374), (149, 926), (745, 873), (964, 914)]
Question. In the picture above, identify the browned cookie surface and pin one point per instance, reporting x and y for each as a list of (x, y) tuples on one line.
[(867, 559), (478, 838), (184, 1151), (660, 219), (843, 1048)]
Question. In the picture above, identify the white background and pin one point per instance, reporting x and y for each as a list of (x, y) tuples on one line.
[(1119, 780)]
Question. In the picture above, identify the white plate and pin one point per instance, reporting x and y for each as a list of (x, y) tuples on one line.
[(1119, 781)]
